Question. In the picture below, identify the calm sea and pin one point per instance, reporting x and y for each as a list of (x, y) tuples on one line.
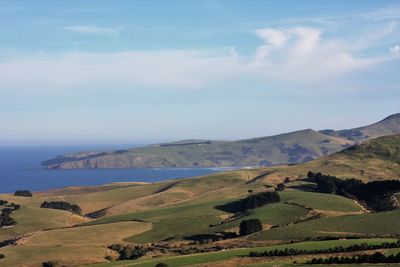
[(20, 169)]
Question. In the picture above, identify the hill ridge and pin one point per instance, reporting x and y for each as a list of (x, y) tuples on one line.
[(285, 148)]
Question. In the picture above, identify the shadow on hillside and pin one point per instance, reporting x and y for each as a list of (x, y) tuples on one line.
[(231, 207), (305, 187), (204, 238)]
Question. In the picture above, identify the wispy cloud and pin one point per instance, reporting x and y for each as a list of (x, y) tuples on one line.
[(92, 29)]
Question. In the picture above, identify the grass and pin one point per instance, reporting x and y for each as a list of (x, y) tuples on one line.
[(274, 214), (319, 201), (31, 218), (228, 254), (182, 221), (374, 223), (78, 243)]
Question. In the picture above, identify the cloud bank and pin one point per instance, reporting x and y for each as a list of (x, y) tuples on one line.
[(297, 54)]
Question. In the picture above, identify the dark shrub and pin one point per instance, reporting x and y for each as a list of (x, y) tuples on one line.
[(50, 264), (61, 205), (129, 252), (161, 265), (280, 187), (23, 193), (250, 226)]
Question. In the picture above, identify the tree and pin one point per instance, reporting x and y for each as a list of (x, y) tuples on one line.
[(327, 186), (250, 226), (23, 193), (259, 200), (50, 264), (61, 205), (280, 187)]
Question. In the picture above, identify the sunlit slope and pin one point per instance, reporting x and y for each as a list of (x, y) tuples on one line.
[(376, 159)]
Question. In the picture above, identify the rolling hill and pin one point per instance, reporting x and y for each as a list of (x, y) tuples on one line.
[(294, 147), (375, 159), (289, 148), (388, 126), (179, 217)]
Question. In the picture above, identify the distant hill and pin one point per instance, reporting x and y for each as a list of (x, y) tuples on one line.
[(376, 159), (289, 148), (387, 126)]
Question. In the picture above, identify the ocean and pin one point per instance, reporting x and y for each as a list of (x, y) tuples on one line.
[(20, 168)]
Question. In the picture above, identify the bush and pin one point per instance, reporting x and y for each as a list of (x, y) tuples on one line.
[(161, 265), (129, 252), (5, 218), (61, 205), (2, 256), (280, 187), (50, 264), (23, 193), (250, 226)]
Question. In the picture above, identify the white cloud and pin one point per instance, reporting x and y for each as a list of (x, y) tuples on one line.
[(90, 29), (288, 55), (302, 53), (395, 50)]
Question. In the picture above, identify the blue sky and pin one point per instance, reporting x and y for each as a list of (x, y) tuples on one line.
[(75, 72)]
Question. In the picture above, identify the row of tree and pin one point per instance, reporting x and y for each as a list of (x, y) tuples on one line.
[(23, 193), (61, 205), (5, 215), (338, 249), (377, 195), (377, 257)]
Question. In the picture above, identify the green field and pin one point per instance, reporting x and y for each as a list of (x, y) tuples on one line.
[(227, 254), (374, 223), (176, 214), (319, 201)]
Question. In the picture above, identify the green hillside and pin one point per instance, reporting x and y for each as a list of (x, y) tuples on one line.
[(192, 221)]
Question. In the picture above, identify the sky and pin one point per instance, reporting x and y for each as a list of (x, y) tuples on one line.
[(91, 72)]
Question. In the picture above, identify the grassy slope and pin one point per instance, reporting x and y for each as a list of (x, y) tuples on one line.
[(186, 207), (387, 126), (291, 147), (194, 217), (223, 255), (374, 223), (82, 244), (372, 160)]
